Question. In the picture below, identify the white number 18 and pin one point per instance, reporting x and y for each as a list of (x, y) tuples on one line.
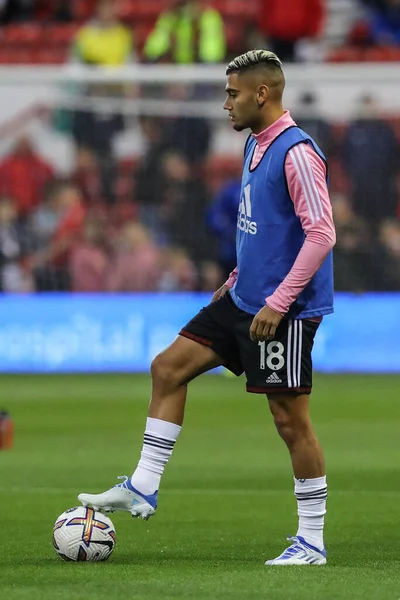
[(274, 359)]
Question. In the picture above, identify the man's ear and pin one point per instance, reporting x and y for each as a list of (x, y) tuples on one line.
[(262, 95)]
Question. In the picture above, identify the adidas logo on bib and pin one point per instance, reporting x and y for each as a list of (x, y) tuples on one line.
[(244, 222), (273, 378)]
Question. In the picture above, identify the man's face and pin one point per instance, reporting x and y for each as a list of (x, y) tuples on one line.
[(241, 101), (106, 12)]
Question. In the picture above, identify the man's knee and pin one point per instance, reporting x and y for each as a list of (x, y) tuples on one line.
[(163, 370), (181, 362)]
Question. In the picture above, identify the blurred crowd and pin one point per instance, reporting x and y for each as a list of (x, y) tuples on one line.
[(205, 31), (76, 234), (168, 220), (374, 36), (181, 31), (170, 226)]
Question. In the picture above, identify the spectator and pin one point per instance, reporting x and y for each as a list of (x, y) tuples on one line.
[(354, 256), (307, 116), (178, 271), (149, 186), (50, 264), (184, 202), (284, 24), (96, 131), (43, 221), (24, 175), (189, 137), (190, 31), (211, 276), (186, 135), (14, 245), (385, 23), (89, 259), (389, 258), (221, 219), (370, 157), (137, 265), (103, 41), (87, 176)]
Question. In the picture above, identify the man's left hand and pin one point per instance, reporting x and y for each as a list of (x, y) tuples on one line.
[(264, 324)]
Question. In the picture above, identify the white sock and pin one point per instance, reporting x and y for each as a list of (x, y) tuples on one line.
[(159, 440), (311, 497)]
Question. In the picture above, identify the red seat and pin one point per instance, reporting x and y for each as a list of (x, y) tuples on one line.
[(22, 35), (48, 56), (12, 57), (346, 54), (20, 56), (243, 9), (61, 35), (136, 10), (36, 56), (381, 54)]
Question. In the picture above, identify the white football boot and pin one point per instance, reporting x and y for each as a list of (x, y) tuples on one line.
[(123, 497), (300, 553)]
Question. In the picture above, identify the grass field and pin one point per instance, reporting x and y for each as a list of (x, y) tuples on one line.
[(227, 496)]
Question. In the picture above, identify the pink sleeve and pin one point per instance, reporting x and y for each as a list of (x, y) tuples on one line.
[(306, 179), (232, 278)]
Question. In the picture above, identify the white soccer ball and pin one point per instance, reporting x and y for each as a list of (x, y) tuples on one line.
[(83, 534)]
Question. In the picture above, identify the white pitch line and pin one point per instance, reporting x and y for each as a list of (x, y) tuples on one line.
[(194, 491)]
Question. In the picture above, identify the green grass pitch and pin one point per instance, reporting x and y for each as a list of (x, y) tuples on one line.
[(226, 501)]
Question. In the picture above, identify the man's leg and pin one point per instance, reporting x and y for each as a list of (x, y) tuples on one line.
[(292, 420), (293, 423), (171, 371)]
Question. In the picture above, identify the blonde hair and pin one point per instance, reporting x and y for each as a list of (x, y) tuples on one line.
[(254, 58)]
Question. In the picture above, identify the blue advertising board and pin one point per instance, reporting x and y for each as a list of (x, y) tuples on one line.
[(47, 333)]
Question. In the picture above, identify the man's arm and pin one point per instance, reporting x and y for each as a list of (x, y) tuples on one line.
[(158, 42), (306, 178)]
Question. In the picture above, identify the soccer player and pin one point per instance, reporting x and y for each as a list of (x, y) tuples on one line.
[(264, 318)]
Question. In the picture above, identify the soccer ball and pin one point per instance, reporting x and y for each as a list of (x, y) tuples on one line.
[(82, 533)]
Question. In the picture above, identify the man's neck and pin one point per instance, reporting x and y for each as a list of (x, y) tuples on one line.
[(269, 119)]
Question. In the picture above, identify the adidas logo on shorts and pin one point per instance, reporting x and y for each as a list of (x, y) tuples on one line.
[(273, 378)]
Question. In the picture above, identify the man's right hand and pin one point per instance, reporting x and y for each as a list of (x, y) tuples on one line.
[(220, 292)]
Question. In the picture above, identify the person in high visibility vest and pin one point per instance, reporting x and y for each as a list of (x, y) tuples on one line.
[(103, 41), (191, 31)]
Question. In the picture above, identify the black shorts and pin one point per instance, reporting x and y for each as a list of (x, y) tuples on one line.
[(283, 364)]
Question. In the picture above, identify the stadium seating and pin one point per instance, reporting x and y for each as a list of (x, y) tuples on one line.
[(48, 42)]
